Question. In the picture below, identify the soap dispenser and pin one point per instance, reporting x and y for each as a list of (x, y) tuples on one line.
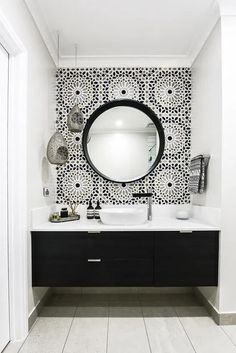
[(90, 211), (97, 209)]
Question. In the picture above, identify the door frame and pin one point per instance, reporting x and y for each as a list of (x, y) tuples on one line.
[(17, 180)]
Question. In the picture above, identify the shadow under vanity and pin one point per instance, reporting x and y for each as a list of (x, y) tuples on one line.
[(94, 254)]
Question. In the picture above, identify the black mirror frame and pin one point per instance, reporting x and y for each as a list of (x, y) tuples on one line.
[(128, 103)]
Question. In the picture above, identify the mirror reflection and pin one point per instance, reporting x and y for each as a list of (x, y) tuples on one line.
[(123, 143)]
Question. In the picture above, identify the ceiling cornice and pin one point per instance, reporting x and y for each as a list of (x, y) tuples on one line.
[(227, 7), (100, 61), (126, 61), (133, 61), (208, 24), (43, 29)]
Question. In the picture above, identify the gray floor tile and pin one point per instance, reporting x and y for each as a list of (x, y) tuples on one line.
[(88, 332), (230, 331), (184, 300), (88, 329), (168, 300), (154, 300), (110, 290), (124, 300), (64, 300), (49, 333), (204, 334), (54, 312), (165, 332), (94, 300), (13, 347), (127, 331)]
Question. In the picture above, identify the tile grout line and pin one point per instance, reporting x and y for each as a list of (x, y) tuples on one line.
[(184, 329), (108, 321), (34, 324), (21, 344), (19, 348), (69, 329), (144, 322), (228, 336)]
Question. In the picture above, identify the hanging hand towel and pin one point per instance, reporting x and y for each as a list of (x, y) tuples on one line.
[(197, 175), (202, 184)]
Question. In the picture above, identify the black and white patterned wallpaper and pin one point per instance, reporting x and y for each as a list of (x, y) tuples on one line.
[(166, 91)]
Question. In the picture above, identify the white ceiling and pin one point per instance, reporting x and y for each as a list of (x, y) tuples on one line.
[(124, 28)]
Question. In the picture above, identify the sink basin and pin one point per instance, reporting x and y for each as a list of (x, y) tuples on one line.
[(123, 216)]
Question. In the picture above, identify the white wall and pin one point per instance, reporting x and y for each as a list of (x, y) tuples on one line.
[(228, 234), (207, 124), (207, 114), (41, 73), (213, 131)]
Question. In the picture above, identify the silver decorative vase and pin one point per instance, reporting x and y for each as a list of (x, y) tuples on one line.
[(57, 150), (75, 119)]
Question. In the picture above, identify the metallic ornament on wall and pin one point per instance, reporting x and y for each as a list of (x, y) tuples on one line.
[(75, 120), (57, 150)]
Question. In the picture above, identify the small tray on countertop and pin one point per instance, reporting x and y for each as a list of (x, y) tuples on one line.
[(65, 219)]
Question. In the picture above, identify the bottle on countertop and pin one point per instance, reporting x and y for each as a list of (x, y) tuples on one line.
[(97, 209), (90, 211)]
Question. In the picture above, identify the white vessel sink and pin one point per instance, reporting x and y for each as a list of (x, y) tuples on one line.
[(123, 216)]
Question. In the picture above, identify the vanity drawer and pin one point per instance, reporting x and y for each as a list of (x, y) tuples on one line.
[(133, 245), (58, 246), (62, 246), (107, 272)]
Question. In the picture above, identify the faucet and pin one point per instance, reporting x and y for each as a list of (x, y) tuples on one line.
[(147, 194)]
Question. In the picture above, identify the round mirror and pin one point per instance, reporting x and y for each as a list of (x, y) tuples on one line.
[(123, 141)]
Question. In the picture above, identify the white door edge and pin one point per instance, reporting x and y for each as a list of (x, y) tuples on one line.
[(17, 180), (4, 256)]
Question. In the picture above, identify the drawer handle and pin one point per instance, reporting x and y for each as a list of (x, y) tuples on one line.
[(185, 231), (94, 232), (94, 260)]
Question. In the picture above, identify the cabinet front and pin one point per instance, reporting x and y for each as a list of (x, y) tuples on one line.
[(125, 258), (186, 259), (81, 258)]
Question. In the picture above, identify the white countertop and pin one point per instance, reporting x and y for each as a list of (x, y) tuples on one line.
[(157, 224)]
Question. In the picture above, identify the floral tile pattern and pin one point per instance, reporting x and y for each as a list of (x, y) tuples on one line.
[(166, 91)]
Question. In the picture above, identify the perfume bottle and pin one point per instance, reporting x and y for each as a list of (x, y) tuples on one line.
[(90, 211), (97, 209)]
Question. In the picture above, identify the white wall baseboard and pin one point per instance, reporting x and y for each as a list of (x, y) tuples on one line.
[(220, 318), (38, 308)]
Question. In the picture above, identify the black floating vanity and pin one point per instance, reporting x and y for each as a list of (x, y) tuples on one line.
[(125, 258)]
